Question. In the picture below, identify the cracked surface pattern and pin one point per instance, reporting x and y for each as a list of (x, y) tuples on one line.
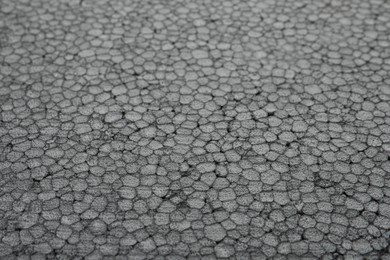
[(203, 129)]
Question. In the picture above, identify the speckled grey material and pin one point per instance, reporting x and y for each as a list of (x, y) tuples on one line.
[(203, 129)]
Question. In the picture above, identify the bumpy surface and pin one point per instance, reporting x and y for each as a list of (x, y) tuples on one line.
[(194, 129)]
